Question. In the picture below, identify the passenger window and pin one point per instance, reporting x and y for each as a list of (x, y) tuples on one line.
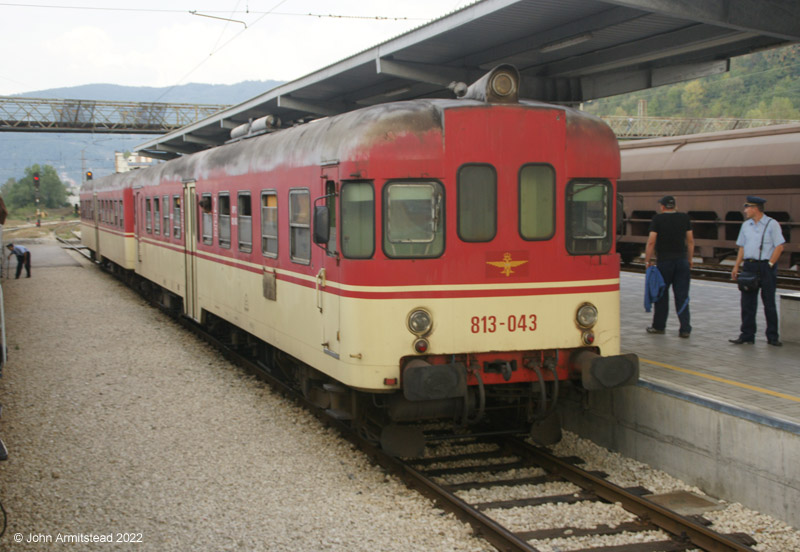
[(156, 215), (165, 226), (299, 226), (588, 217), (477, 203), (224, 214), (148, 217), (413, 219), (244, 218), (176, 217), (537, 189), (206, 219), (269, 224), (121, 214), (358, 220)]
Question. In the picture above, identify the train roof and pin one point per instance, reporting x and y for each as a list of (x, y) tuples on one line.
[(745, 153), (324, 140)]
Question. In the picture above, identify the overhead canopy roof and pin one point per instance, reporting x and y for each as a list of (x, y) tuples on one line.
[(567, 51)]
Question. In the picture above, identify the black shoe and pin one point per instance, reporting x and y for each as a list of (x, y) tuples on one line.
[(652, 330), (683, 334), (775, 342), (740, 340)]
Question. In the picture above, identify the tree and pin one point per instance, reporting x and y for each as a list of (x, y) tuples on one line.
[(693, 98), (20, 193)]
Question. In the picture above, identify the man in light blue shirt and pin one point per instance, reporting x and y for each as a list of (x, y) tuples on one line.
[(760, 246)]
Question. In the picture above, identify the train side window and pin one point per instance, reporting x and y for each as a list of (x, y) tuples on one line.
[(116, 212), (477, 203), (244, 219), (148, 216), (537, 202), (165, 204), (300, 226), (224, 214), (269, 224), (121, 208), (207, 220), (413, 220), (176, 217), (588, 218), (156, 215), (358, 220)]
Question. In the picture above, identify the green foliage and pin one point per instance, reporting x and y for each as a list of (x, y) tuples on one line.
[(20, 194), (763, 85)]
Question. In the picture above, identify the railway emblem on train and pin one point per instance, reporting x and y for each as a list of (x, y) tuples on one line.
[(511, 260)]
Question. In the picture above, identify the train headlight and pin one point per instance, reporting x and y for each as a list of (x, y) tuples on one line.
[(586, 317), (419, 322), (503, 84)]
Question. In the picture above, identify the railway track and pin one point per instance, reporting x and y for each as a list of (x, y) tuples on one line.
[(787, 279)]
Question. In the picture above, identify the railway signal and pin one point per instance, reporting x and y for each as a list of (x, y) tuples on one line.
[(36, 181), (88, 175)]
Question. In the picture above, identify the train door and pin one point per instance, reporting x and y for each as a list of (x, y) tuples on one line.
[(190, 249), (328, 275)]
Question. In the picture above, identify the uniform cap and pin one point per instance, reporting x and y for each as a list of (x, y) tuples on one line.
[(667, 201), (753, 200)]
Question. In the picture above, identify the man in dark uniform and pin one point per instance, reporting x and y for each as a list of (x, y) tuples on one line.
[(672, 240), (760, 246)]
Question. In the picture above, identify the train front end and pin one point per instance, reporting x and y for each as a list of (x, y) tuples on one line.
[(498, 276)]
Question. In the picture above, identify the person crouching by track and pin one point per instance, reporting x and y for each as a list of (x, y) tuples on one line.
[(23, 258), (760, 246), (672, 240)]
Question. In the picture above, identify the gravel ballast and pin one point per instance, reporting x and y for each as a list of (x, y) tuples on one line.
[(119, 422)]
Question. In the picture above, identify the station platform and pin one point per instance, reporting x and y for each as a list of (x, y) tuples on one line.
[(759, 382), (724, 417)]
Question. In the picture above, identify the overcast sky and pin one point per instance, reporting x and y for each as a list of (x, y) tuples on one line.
[(58, 43)]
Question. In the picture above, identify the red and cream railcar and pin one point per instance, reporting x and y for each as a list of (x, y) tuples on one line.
[(437, 257), (107, 226)]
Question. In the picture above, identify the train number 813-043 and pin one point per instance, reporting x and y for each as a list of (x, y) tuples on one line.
[(514, 323)]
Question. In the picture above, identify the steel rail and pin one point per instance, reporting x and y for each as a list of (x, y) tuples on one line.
[(666, 519)]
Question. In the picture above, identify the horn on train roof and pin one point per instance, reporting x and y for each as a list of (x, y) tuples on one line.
[(500, 85)]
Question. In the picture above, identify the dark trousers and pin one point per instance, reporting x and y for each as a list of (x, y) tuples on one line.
[(676, 274), (24, 260), (768, 278)]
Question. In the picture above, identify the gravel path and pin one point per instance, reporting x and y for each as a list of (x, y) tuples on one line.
[(119, 422)]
